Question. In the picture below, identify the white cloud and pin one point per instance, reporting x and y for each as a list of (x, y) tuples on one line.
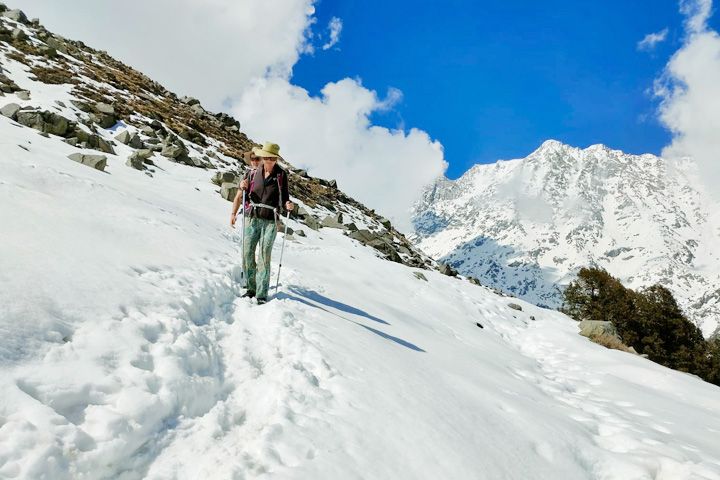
[(690, 93), (331, 135), (335, 26), (238, 55), (211, 49), (652, 39)]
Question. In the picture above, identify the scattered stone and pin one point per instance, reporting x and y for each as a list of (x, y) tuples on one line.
[(420, 276), (23, 95), (311, 222), (148, 131), (137, 159), (60, 103), (98, 162), (136, 142), (515, 306), (189, 101), (299, 233), (19, 35), (173, 151), (10, 110), (333, 221), (385, 223), (82, 106), (224, 177), (447, 270), (101, 107), (46, 121), (198, 110), (351, 227), (228, 191), (474, 281), (123, 137), (479, 324), (532, 317), (46, 51)]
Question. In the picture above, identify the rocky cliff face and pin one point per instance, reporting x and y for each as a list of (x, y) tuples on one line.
[(526, 226), (81, 96)]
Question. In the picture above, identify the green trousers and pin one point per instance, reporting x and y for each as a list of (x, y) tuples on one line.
[(258, 231)]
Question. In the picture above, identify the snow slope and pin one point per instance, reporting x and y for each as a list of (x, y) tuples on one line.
[(125, 352), (526, 226)]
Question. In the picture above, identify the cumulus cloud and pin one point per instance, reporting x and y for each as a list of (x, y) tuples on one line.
[(690, 95), (335, 27), (211, 49), (651, 40), (238, 56), (331, 135)]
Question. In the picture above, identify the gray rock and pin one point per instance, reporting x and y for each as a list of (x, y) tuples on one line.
[(228, 191), (19, 34), (299, 233), (311, 222), (333, 221), (46, 51), (148, 131), (57, 45), (332, 184), (173, 151), (138, 159), (16, 15), (363, 236), (420, 276), (101, 107), (189, 100), (123, 137), (136, 142), (82, 106), (351, 227), (224, 177), (47, 122), (198, 110), (385, 223), (474, 281), (103, 119), (98, 162), (447, 270), (10, 110), (23, 95), (593, 328), (3, 7), (515, 306)]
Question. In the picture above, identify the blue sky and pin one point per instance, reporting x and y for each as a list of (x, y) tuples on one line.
[(493, 80)]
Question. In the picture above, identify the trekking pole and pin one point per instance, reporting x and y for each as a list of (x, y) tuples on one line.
[(282, 249), (243, 280)]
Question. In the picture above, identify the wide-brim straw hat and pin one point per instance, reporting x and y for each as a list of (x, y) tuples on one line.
[(269, 149)]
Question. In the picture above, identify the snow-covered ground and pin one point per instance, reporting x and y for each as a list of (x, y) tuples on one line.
[(125, 352)]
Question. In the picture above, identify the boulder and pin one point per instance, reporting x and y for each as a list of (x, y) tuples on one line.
[(148, 131), (46, 51), (136, 142), (363, 236), (515, 306), (139, 158), (197, 110), (190, 101), (104, 115), (82, 106), (16, 15), (228, 191), (474, 281), (171, 150), (311, 222), (10, 110), (447, 270), (593, 328), (224, 177), (3, 7), (351, 227), (98, 162), (105, 108), (19, 34), (123, 137), (385, 223), (23, 95), (299, 233), (333, 221)]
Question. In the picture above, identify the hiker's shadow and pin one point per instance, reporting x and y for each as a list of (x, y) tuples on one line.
[(312, 299), (328, 302)]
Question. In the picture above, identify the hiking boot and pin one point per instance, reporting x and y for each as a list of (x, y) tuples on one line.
[(261, 300), (248, 294)]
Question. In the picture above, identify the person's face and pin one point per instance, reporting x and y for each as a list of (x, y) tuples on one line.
[(254, 162), (269, 162)]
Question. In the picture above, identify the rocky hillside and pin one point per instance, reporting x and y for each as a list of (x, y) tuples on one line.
[(84, 97), (526, 226)]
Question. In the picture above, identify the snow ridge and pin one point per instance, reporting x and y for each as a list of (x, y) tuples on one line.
[(526, 226)]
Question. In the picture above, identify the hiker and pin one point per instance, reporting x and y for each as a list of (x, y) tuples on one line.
[(253, 161), (268, 193)]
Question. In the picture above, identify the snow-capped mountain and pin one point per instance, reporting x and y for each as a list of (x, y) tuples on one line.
[(526, 226), (126, 351)]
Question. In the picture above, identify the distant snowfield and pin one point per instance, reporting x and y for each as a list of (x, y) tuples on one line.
[(125, 352)]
